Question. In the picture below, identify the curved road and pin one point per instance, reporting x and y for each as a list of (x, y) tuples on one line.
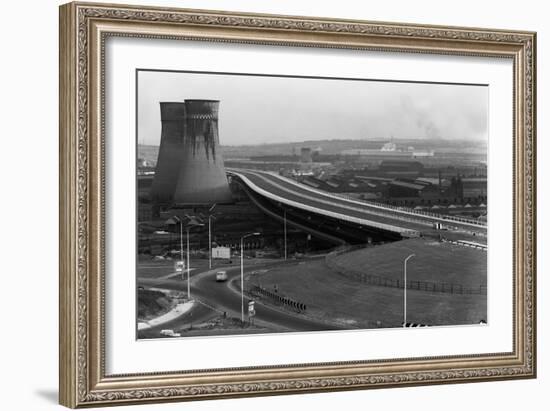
[(219, 296)]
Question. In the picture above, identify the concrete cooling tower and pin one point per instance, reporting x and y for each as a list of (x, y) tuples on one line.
[(190, 166), (201, 178), (172, 117)]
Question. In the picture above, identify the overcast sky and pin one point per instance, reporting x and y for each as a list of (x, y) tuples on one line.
[(257, 109)]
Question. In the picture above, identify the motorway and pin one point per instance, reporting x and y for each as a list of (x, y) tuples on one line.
[(294, 194), (224, 296)]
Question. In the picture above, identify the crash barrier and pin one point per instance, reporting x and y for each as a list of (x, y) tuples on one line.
[(430, 214), (413, 325), (371, 279), (278, 299), (469, 244)]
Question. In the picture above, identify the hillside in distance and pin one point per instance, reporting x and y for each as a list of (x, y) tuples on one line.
[(150, 152)]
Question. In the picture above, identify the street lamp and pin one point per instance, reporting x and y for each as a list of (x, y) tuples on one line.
[(405, 289), (242, 272), (192, 223), (210, 215), (178, 221), (285, 234)]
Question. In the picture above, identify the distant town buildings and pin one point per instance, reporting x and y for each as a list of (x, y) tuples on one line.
[(393, 173), (387, 151)]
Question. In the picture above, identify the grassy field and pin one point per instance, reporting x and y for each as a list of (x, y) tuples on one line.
[(335, 298), (434, 261)]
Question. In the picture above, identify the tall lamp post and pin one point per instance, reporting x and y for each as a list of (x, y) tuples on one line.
[(210, 215), (192, 223), (242, 272), (285, 234), (178, 221), (405, 289)]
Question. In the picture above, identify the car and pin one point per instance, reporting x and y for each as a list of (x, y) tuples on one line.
[(170, 333), (221, 276)]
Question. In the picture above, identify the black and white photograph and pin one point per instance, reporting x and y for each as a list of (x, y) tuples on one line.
[(269, 204)]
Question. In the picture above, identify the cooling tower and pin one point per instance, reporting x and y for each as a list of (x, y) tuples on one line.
[(201, 178), (170, 152)]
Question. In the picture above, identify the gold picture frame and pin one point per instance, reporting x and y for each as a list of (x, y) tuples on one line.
[(83, 30)]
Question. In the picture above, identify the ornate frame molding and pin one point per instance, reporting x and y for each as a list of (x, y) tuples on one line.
[(83, 30)]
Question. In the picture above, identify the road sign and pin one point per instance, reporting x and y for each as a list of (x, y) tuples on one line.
[(251, 310), (221, 252)]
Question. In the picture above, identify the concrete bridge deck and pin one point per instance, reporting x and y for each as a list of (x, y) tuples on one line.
[(405, 222)]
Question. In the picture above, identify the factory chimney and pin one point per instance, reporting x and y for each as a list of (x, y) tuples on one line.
[(201, 177), (170, 152)]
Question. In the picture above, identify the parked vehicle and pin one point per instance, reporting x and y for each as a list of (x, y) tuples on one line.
[(170, 333)]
